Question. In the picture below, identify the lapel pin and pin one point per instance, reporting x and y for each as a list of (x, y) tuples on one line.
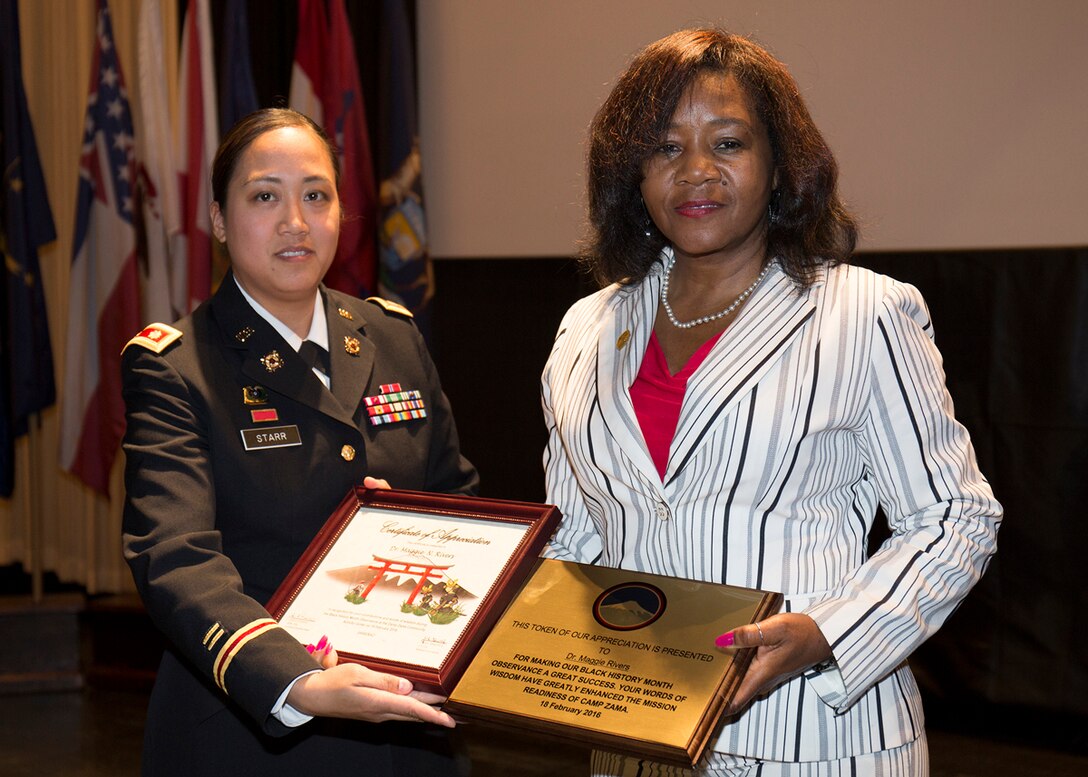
[(351, 345), (622, 340), (272, 361), (244, 334), (254, 395), (345, 314)]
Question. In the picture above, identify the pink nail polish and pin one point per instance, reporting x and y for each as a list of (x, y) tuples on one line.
[(725, 640), (321, 644), (310, 649)]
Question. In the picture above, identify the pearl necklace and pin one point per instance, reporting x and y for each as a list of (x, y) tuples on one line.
[(714, 316)]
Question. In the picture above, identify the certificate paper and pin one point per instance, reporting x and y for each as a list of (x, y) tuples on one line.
[(402, 586), (410, 583)]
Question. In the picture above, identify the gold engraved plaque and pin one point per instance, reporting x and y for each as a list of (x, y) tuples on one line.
[(620, 660)]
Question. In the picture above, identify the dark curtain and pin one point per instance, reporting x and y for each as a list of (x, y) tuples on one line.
[(1013, 329)]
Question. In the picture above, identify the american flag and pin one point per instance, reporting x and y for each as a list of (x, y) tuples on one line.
[(104, 287)]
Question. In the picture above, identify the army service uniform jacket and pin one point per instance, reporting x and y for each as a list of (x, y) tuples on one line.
[(236, 454)]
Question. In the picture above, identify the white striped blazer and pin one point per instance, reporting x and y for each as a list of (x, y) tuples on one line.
[(813, 408)]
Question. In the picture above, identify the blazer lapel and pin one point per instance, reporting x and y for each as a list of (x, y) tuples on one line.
[(621, 345), (746, 351)]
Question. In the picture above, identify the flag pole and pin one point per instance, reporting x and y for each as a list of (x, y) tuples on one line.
[(37, 592)]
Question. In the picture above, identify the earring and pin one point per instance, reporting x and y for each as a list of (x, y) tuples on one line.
[(773, 206), (647, 224)]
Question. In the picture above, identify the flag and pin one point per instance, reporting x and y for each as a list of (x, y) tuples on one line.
[(197, 138), (405, 274), (354, 269), (26, 223), (103, 295), (238, 97), (156, 175), (308, 70)]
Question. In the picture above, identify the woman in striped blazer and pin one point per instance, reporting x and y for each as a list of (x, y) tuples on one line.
[(736, 403)]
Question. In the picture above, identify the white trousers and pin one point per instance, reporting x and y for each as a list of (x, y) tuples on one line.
[(909, 760)]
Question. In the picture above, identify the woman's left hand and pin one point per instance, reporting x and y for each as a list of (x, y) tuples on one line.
[(790, 643)]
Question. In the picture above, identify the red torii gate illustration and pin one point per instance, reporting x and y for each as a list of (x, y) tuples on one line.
[(425, 572)]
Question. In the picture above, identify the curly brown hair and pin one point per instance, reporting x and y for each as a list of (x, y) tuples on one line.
[(808, 224)]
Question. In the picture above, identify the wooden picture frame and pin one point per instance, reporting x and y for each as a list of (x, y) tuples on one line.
[(410, 583)]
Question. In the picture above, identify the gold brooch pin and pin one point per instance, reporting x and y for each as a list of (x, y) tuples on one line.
[(272, 361), (345, 314), (622, 341), (244, 334), (351, 345)]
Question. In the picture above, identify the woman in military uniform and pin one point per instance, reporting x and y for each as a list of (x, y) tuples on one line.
[(238, 448)]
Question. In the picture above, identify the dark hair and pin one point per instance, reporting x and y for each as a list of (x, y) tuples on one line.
[(250, 128), (808, 224)]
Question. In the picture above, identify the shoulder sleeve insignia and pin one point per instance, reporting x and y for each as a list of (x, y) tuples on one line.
[(155, 337), (390, 306)]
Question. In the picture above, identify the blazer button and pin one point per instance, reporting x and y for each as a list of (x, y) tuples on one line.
[(347, 453), (661, 510)]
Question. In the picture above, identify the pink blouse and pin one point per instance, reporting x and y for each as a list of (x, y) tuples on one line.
[(658, 395)]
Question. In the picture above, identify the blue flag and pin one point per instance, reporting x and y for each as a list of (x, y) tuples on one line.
[(237, 94), (26, 223)]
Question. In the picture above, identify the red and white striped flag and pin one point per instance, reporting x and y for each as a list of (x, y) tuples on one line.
[(104, 287), (308, 70), (325, 86), (197, 138)]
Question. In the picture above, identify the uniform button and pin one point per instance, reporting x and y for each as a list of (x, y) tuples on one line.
[(661, 510), (347, 453)]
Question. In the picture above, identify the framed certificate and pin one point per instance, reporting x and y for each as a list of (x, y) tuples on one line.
[(411, 583)]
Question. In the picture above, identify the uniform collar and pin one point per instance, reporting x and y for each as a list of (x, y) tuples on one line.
[(319, 328)]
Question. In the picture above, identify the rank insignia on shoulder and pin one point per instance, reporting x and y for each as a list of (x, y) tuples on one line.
[(155, 337), (390, 306)]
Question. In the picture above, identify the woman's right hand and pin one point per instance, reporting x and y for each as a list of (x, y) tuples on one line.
[(353, 691)]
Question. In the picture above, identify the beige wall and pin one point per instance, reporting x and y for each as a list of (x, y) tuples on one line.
[(957, 123)]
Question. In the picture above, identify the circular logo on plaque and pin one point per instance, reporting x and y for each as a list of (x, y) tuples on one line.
[(629, 606)]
